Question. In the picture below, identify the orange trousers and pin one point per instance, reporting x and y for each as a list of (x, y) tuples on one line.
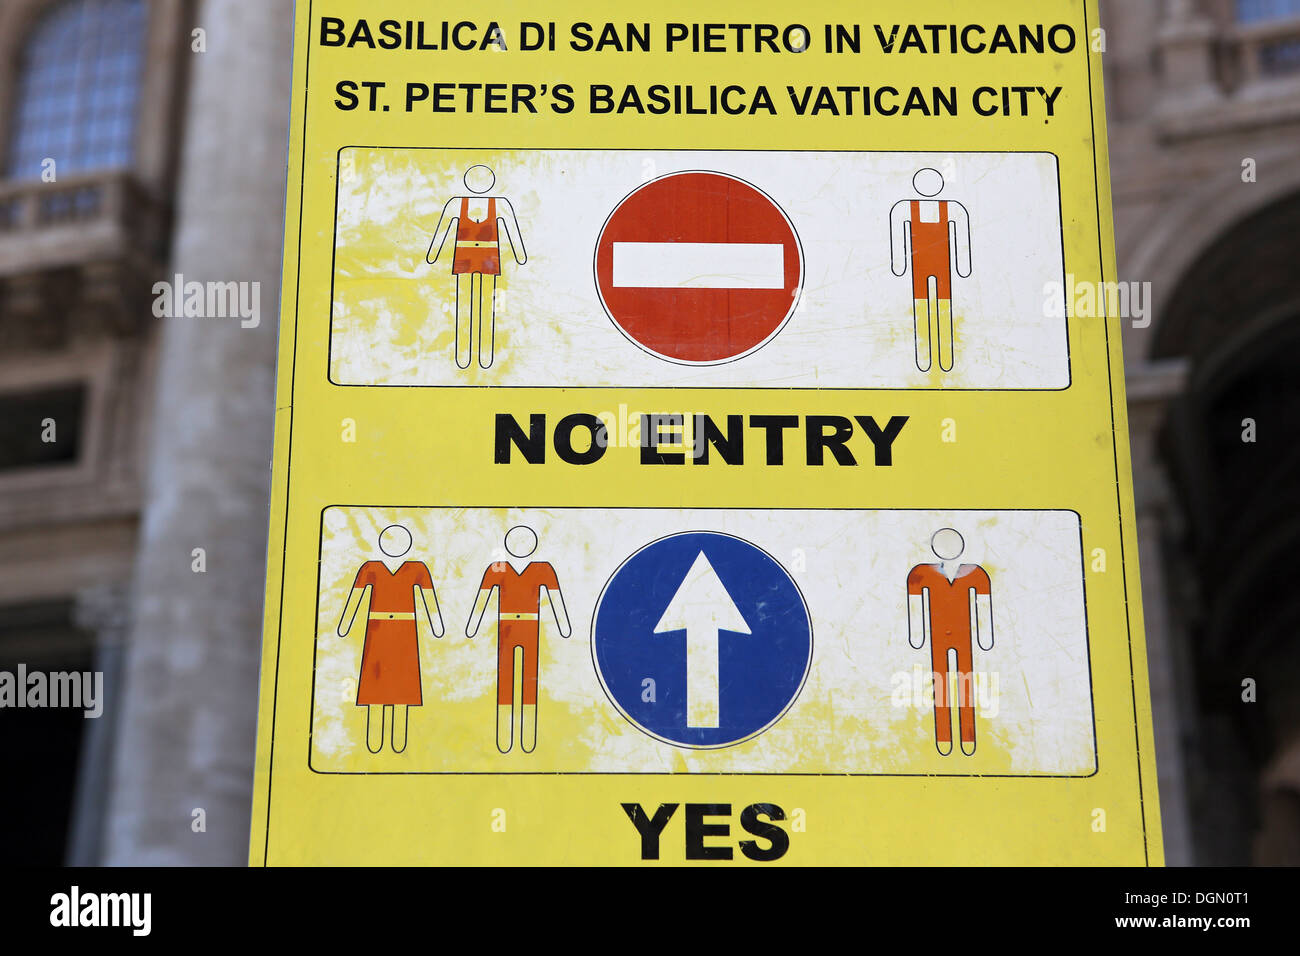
[(512, 634), (946, 688)]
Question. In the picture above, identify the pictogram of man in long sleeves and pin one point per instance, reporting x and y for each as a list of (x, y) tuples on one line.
[(518, 632), (950, 604)]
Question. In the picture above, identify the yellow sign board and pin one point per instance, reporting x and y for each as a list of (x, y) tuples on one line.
[(702, 441)]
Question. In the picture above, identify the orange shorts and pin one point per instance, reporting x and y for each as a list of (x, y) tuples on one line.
[(483, 260)]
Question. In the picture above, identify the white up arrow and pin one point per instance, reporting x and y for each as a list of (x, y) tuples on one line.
[(702, 607)]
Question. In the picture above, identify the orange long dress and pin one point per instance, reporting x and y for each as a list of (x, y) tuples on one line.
[(390, 659)]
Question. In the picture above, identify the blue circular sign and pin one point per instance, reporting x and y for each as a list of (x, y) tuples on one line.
[(702, 639)]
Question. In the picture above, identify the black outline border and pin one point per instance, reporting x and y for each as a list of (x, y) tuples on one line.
[(1060, 218), (1087, 635), (1114, 438)]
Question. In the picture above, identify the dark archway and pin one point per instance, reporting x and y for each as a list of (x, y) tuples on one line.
[(1232, 448)]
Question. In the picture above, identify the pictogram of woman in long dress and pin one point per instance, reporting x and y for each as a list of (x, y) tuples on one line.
[(390, 659)]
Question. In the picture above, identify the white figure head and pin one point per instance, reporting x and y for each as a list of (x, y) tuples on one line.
[(947, 544), (928, 182), (521, 541), (479, 179), (394, 541)]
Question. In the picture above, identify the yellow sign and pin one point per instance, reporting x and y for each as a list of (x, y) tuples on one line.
[(702, 441)]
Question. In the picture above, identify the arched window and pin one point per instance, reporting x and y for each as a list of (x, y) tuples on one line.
[(1258, 11), (78, 87)]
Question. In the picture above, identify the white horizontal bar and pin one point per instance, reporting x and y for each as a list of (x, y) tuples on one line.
[(699, 265)]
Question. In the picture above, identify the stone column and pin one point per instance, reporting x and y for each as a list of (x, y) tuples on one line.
[(103, 611), (1151, 386), (186, 738), (1186, 43)]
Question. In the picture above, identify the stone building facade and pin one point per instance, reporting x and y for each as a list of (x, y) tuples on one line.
[(1204, 116), (169, 122)]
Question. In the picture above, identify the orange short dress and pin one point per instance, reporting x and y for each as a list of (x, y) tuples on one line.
[(390, 659), (478, 245)]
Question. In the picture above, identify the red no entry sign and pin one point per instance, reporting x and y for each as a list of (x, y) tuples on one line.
[(698, 267)]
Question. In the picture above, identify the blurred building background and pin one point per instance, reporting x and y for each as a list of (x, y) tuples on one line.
[(167, 123)]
